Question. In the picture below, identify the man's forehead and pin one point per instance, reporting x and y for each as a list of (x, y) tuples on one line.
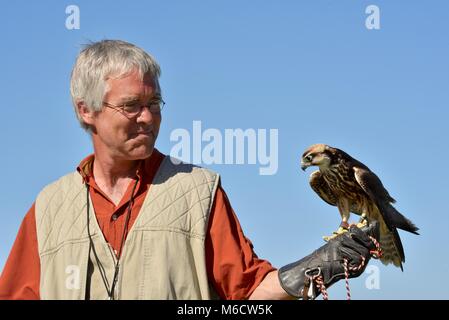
[(132, 86)]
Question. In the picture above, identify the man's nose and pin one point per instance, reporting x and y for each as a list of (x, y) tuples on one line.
[(145, 115)]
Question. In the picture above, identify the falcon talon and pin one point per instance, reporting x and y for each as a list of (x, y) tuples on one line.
[(334, 235), (361, 225), (363, 219), (341, 230)]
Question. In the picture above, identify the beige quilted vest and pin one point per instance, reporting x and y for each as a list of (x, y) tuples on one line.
[(163, 255)]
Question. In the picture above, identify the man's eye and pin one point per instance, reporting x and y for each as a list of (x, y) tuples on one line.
[(131, 106)]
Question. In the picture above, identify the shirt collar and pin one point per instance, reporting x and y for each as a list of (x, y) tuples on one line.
[(145, 171)]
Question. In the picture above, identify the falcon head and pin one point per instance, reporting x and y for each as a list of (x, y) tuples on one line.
[(316, 155)]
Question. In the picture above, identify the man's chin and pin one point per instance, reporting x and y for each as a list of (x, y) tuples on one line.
[(141, 152)]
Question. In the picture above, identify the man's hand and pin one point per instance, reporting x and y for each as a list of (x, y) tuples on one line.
[(328, 261)]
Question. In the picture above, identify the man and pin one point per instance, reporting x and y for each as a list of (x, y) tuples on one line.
[(131, 223)]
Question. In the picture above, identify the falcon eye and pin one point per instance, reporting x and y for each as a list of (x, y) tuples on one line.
[(309, 157)]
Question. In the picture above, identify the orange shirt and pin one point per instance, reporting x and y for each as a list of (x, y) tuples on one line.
[(232, 266)]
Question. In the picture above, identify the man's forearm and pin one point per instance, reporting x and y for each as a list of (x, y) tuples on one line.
[(270, 289)]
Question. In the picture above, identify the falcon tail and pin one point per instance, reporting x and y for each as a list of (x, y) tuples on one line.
[(394, 219), (392, 249)]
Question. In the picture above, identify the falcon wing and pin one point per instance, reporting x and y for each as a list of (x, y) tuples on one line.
[(375, 190), (373, 187), (366, 178), (320, 186)]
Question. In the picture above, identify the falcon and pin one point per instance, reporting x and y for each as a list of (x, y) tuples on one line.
[(348, 184)]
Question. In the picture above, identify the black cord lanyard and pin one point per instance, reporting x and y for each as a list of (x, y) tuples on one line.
[(92, 247)]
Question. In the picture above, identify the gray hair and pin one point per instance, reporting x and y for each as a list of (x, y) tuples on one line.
[(100, 60)]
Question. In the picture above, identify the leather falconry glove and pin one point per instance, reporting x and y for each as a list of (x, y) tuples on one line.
[(328, 261)]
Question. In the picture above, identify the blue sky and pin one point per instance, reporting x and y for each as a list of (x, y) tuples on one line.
[(310, 69)]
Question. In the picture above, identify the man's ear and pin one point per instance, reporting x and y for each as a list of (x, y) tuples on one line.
[(85, 113)]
